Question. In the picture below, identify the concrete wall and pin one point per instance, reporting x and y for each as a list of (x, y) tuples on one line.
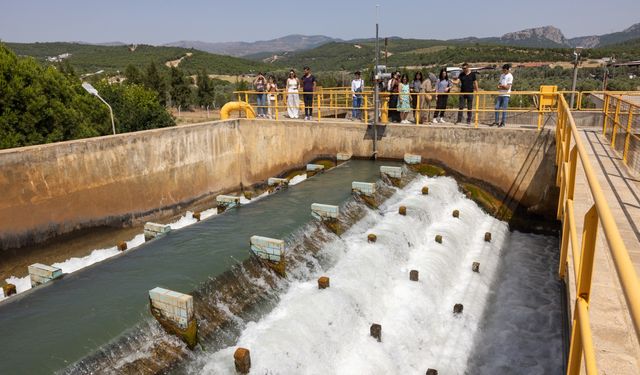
[(52, 189)]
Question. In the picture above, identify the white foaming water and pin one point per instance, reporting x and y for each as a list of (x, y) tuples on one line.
[(314, 331), (297, 179)]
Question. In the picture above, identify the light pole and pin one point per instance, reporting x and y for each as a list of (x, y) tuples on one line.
[(576, 60), (91, 90)]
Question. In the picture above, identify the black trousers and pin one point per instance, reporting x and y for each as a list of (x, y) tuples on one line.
[(394, 115), (468, 98), (308, 104), (441, 105)]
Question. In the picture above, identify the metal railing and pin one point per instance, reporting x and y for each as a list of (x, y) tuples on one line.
[(621, 127), (570, 148), (339, 102)]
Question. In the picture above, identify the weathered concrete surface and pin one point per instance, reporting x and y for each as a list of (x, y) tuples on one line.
[(614, 338), (128, 178)]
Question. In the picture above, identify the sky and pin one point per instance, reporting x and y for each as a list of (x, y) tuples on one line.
[(157, 21)]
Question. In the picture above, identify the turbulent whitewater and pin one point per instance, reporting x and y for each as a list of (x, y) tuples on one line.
[(511, 322)]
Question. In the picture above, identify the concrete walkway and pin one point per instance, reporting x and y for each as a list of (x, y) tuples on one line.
[(617, 349)]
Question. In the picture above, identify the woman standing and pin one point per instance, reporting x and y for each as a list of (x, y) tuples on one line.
[(260, 84), (425, 100), (393, 97), (443, 86), (293, 99), (416, 89), (272, 91), (404, 101)]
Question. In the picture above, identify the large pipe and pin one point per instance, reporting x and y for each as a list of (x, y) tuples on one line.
[(236, 106)]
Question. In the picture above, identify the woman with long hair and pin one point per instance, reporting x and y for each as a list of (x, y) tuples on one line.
[(404, 99), (394, 116), (442, 86), (272, 92), (293, 99), (416, 89)]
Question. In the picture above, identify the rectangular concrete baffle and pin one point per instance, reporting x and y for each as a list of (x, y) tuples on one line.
[(42, 274), (275, 181), (324, 211), (227, 201), (313, 169), (270, 250), (363, 188), (154, 230), (328, 214), (343, 156), (392, 172), (174, 311), (412, 159)]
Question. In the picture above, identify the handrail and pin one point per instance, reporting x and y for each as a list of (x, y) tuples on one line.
[(327, 102), (581, 338)]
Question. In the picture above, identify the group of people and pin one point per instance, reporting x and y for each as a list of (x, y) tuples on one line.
[(402, 102), (404, 96), (267, 90)]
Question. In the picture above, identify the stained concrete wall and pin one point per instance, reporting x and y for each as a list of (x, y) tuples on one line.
[(52, 189)]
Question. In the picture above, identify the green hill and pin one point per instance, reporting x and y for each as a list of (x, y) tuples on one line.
[(86, 58)]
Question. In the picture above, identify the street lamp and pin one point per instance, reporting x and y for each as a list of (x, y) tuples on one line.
[(92, 90), (576, 60)]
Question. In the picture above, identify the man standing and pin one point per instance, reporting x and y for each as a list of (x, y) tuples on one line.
[(502, 101), (308, 87), (468, 86), (357, 86)]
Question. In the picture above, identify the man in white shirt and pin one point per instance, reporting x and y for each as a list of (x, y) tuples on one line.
[(357, 87), (502, 101)]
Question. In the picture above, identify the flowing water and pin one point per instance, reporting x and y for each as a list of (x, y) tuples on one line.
[(511, 322), (48, 328)]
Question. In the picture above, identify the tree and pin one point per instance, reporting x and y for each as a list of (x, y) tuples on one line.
[(135, 107), (180, 91), (133, 75), (42, 105), (154, 81), (206, 89)]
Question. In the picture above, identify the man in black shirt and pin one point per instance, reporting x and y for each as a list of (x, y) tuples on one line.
[(468, 85)]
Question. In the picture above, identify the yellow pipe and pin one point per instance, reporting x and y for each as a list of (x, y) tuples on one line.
[(236, 106)]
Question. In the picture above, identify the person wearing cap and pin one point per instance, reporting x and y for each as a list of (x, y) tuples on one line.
[(357, 87), (502, 101)]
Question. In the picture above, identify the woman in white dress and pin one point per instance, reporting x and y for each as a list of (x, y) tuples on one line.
[(293, 99)]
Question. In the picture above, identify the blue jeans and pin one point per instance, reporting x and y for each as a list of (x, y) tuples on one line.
[(357, 103), (502, 102), (261, 102)]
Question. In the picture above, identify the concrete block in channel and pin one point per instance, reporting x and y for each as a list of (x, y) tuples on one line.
[(154, 230), (412, 159), (227, 201), (314, 167), (266, 248), (343, 156), (41, 274), (364, 188), (275, 181), (393, 172), (174, 311), (324, 211)]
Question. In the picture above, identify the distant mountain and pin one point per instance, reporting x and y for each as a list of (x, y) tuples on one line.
[(293, 42), (594, 41), (539, 37), (552, 37)]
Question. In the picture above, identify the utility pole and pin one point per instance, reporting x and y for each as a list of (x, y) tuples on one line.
[(576, 61), (376, 92)]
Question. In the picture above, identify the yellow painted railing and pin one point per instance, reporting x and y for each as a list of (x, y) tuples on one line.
[(338, 102), (570, 149), (621, 126)]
